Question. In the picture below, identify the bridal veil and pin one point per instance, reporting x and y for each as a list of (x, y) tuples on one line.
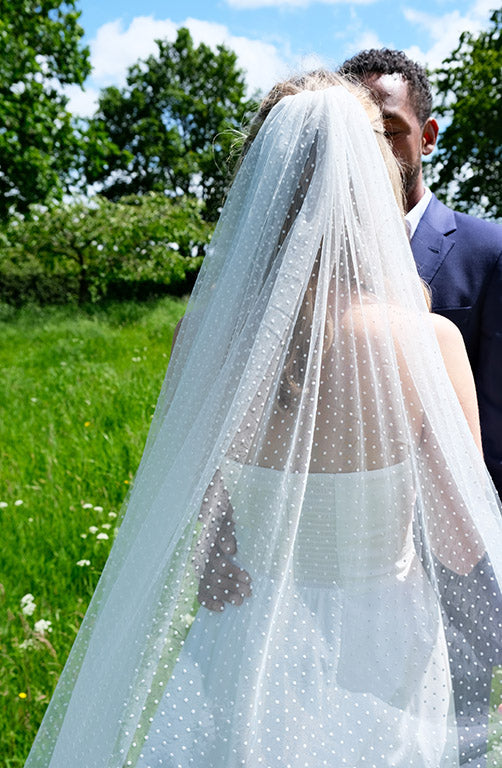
[(307, 418)]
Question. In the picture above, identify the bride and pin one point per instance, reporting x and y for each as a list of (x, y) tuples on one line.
[(312, 518)]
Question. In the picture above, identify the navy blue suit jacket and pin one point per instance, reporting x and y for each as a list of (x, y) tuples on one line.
[(460, 257)]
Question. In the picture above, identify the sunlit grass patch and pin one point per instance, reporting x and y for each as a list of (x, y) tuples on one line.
[(79, 390)]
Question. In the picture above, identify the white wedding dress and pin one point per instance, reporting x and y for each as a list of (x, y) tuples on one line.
[(361, 614)]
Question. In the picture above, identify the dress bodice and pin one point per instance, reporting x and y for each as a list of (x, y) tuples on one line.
[(349, 528)]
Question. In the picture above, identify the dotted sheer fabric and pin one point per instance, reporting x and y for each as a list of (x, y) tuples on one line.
[(307, 438)]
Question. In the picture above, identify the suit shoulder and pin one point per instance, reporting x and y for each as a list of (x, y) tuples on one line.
[(445, 218), (473, 236), (487, 229)]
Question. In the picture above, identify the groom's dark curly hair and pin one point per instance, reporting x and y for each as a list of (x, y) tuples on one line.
[(384, 61)]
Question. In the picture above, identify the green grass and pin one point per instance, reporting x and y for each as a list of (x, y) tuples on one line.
[(495, 723), (79, 387)]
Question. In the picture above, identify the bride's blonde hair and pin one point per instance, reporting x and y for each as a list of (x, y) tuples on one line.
[(316, 81)]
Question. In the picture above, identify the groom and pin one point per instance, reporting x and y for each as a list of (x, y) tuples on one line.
[(460, 257)]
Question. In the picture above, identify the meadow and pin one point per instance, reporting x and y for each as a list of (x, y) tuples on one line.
[(79, 387)]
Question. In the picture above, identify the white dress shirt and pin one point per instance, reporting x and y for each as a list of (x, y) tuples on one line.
[(413, 217)]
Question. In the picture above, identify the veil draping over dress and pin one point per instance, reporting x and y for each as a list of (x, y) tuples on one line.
[(307, 408)]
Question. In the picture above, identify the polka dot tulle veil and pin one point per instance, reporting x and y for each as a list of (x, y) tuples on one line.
[(308, 419)]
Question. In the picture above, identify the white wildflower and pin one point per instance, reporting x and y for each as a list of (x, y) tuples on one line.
[(26, 644), (18, 502), (29, 609), (28, 598), (81, 563), (112, 515), (102, 536), (87, 506), (106, 526), (42, 626), (83, 535), (98, 509), (93, 529), (34, 399), (3, 504)]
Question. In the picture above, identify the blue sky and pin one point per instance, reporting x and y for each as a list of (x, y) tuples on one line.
[(272, 38)]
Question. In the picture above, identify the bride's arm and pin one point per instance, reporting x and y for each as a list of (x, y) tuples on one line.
[(469, 593), (453, 535), (220, 579), (459, 370)]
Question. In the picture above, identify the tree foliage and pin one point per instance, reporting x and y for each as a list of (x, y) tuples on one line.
[(170, 128), (40, 51), (91, 250), (469, 152)]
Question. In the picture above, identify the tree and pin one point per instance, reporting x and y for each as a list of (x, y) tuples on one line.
[(172, 127), (467, 164), (40, 52), (85, 250)]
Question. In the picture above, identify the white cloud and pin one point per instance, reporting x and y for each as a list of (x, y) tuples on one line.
[(444, 31), (366, 40), (264, 65), (354, 36), (115, 48), (82, 103), (484, 8), (310, 61)]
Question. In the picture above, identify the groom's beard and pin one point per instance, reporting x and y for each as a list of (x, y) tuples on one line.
[(410, 174)]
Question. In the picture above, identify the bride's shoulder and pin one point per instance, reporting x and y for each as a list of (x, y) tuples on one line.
[(454, 354), (447, 333), (452, 347)]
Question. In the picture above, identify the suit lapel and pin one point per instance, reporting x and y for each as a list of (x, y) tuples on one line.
[(433, 238)]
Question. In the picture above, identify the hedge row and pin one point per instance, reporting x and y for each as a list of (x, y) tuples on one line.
[(90, 250)]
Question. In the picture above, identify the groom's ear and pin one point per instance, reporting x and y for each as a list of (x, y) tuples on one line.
[(429, 136)]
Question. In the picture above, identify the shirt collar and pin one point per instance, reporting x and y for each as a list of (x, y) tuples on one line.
[(413, 217)]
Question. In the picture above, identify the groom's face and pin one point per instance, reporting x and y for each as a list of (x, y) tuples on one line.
[(402, 125)]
